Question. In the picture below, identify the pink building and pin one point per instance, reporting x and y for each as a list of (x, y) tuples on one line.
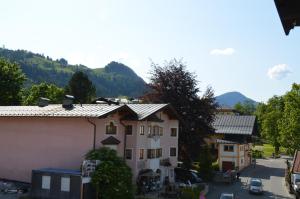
[(33, 137)]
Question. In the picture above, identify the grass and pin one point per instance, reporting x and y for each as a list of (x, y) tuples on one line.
[(268, 150)]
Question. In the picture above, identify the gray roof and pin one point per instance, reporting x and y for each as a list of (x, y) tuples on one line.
[(145, 110), (86, 110), (56, 110), (234, 124)]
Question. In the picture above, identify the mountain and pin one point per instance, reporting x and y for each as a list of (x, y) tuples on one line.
[(114, 80), (231, 98)]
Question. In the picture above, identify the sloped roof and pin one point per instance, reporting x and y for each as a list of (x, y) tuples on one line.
[(145, 110), (86, 110), (111, 140), (234, 124), (296, 163)]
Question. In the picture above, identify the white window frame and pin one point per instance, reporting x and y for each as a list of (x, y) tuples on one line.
[(142, 130), (46, 182)]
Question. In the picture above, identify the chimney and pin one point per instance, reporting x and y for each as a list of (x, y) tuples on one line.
[(68, 102), (43, 102)]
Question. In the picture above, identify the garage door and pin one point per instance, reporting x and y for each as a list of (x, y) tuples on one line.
[(226, 165)]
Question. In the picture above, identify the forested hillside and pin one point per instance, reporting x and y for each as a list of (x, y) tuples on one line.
[(115, 79)]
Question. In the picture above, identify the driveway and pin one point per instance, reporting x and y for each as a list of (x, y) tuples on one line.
[(271, 171)]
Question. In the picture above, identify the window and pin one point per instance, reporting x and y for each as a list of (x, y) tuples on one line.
[(155, 130), (158, 153), (46, 181), (65, 184), (141, 154), (149, 130), (173, 151), (128, 130), (111, 129), (142, 130), (241, 148), (128, 154), (151, 153), (173, 132), (161, 131), (228, 148), (242, 161)]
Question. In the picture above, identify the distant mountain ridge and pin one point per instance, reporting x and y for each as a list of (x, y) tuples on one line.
[(230, 99), (115, 79)]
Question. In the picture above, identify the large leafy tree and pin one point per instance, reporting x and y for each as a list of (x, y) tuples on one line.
[(290, 123), (112, 178), (173, 84), (81, 87), (245, 108), (11, 82), (50, 91), (269, 117)]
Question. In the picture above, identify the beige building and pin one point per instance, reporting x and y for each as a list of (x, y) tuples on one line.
[(33, 137), (232, 140)]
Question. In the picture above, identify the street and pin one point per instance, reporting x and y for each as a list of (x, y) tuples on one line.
[(271, 171)]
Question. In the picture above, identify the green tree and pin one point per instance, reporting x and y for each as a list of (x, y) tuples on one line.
[(269, 117), (290, 125), (173, 84), (50, 91), (11, 82), (205, 163), (81, 87), (245, 108), (112, 178)]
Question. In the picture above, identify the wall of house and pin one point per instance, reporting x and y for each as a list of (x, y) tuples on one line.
[(145, 142), (34, 143), (239, 156)]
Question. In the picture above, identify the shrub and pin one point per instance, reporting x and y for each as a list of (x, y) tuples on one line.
[(112, 177), (191, 193)]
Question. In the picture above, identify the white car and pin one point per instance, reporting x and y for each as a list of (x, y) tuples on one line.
[(227, 196), (255, 186)]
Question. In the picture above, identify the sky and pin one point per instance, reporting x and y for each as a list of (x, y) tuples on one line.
[(230, 45)]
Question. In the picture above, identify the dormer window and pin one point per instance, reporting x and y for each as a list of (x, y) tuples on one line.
[(111, 129)]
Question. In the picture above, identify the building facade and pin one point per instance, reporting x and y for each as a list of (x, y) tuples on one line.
[(33, 137)]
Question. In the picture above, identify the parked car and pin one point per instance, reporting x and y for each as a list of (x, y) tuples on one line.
[(227, 196), (187, 177), (295, 182), (255, 186)]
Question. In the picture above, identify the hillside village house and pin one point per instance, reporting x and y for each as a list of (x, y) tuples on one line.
[(232, 140), (56, 136)]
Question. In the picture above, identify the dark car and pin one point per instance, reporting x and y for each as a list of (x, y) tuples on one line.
[(187, 176)]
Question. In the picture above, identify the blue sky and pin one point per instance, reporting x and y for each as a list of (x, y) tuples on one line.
[(231, 45)]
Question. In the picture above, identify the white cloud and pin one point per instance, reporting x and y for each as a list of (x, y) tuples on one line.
[(225, 51), (279, 71)]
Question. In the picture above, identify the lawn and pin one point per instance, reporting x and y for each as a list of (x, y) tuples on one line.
[(268, 149)]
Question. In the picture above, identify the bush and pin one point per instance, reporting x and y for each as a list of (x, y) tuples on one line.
[(112, 177), (257, 153), (215, 166), (191, 193)]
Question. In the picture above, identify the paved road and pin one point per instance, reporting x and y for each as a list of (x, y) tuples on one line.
[(271, 171)]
